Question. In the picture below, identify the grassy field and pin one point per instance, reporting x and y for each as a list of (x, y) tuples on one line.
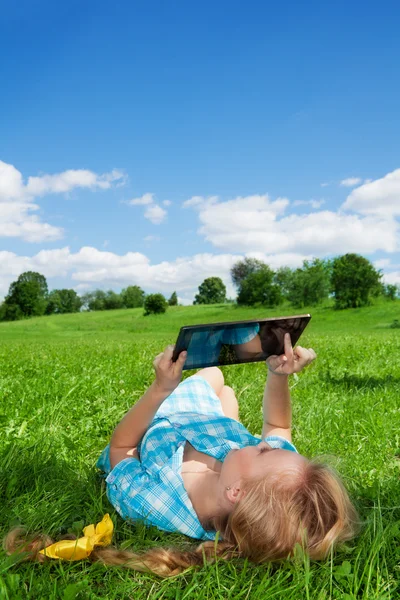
[(66, 380)]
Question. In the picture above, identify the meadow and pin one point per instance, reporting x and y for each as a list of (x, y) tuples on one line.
[(66, 380)]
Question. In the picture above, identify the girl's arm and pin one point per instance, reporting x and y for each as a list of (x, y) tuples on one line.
[(277, 408), (135, 423)]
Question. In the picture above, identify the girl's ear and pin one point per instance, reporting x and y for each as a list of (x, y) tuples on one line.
[(235, 493)]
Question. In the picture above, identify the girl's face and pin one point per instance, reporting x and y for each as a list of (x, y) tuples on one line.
[(255, 462)]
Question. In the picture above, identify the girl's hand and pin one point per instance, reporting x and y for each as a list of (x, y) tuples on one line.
[(292, 361), (168, 373)]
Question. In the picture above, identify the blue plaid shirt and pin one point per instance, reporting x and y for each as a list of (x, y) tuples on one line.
[(151, 489)]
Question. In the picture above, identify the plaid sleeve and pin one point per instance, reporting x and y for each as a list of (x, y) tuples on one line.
[(127, 483), (277, 441), (240, 335)]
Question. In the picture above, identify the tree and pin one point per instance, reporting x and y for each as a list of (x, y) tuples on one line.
[(284, 277), (211, 291), (311, 284), (132, 296), (95, 300), (10, 312), (354, 281), (63, 301), (27, 296), (173, 301), (112, 300), (155, 304), (259, 288), (244, 268)]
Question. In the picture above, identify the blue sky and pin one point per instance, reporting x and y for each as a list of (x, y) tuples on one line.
[(156, 143)]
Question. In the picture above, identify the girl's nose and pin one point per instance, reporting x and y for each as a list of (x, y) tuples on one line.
[(265, 445)]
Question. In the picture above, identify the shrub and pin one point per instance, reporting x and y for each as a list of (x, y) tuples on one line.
[(155, 304)]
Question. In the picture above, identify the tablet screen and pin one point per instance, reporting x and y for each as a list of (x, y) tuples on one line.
[(217, 344)]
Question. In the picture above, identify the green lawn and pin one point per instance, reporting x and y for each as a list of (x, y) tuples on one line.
[(66, 380)]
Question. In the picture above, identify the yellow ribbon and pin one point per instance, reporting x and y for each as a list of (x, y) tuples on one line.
[(100, 535)]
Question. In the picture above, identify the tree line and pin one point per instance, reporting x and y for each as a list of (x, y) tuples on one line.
[(351, 280)]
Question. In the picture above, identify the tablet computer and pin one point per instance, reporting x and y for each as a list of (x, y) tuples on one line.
[(235, 342)]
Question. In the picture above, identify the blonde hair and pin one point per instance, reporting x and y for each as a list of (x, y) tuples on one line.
[(271, 518)]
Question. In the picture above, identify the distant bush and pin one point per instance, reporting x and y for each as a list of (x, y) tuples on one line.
[(155, 304), (395, 324)]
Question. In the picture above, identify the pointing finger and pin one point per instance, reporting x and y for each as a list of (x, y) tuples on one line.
[(288, 347)]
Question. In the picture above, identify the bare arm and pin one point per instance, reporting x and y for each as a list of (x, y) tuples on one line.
[(135, 423), (277, 409)]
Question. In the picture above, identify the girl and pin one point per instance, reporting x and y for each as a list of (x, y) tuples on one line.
[(181, 460)]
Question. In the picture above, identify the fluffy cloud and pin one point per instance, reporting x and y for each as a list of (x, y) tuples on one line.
[(351, 181), (393, 278), (379, 197), (17, 199), (62, 183), (90, 268), (257, 224), (12, 186), (154, 212)]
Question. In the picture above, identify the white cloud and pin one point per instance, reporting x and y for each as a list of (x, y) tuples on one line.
[(62, 183), (325, 184), (17, 199), (350, 181), (257, 224), (155, 214), (152, 238), (392, 278), (142, 201), (379, 197), (12, 186), (90, 268), (312, 203)]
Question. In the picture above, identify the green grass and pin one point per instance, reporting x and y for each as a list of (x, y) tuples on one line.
[(66, 380)]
